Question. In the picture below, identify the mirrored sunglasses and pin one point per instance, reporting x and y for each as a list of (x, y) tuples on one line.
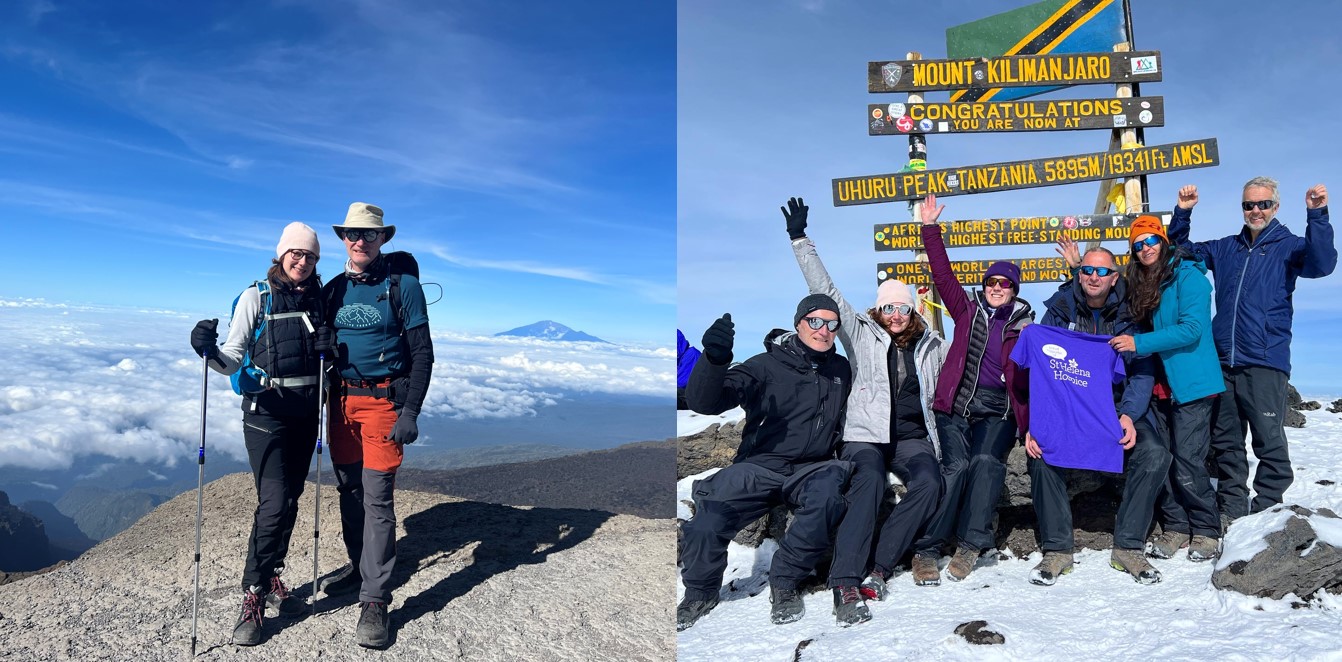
[(299, 254), (1260, 204), (355, 235), (998, 281), (1153, 240), (890, 309), (817, 322), (1097, 271)]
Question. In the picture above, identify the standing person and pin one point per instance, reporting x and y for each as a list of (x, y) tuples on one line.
[(277, 333), (976, 414), (1171, 293), (889, 426), (386, 359), (1096, 303), (1255, 271), (793, 395)]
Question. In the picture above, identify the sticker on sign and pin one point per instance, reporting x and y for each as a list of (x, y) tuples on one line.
[(1145, 65)]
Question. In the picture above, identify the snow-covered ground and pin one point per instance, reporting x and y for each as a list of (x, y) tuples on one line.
[(1094, 613)]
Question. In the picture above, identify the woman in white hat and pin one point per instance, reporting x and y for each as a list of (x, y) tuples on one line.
[(889, 426), (275, 340)]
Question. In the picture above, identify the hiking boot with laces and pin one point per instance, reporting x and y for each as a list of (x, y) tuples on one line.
[(1166, 544), (372, 631), (1133, 562), (688, 612), (873, 587), (1203, 548), (849, 607), (787, 605), (925, 571), (281, 600), (346, 580), (1054, 565), (247, 631), (962, 563)]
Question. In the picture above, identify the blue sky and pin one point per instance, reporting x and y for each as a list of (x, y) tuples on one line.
[(151, 154), (772, 100)]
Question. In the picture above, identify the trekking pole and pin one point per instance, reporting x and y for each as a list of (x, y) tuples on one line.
[(317, 498), (200, 493)]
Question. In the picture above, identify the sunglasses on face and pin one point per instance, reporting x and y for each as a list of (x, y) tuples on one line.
[(299, 255), (890, 309), (1260, 204), (1141, 244), (998, 281), (817, 322), (1097, 271), (354, 235)]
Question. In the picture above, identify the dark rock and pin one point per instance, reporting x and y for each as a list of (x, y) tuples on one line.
[(1294, 419), (1293, 398), (974, 633), (1309, 405), (1285, 567), (712, 448), (1323, 482), (801, 646), (23, 539), (1336, 406)]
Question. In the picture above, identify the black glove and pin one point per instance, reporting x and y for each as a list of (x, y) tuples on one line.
[(406, 431), (795, 214), (205, 338), (325, 342), (718, 340)]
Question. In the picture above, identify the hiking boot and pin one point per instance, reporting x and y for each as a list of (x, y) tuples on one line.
[(688, 612), (787, 605), (1203, 548), (346, 580), (1133, 562), (962, 563), (372, 631), (925, 571), (873, 587), (1166, 544), (281, 600), (247, 631), (849, 607), (1054, 565)]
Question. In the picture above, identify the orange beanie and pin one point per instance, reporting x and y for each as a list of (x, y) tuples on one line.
[(1147, 224)]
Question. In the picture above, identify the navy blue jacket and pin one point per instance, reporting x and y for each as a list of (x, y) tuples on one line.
[(1255, 282)]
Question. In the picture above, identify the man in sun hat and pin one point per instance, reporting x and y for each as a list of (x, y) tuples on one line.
[(1255, 272), (384, 362)]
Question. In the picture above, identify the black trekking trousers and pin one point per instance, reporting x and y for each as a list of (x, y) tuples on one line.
[(914, 461), (280, 451), (1188, 502), (1254, 401)]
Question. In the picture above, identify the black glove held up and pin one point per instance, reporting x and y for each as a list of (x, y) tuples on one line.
[(795, 215), (718, 340)]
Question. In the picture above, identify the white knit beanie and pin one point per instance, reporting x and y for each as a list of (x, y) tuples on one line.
[(298, 235), (893, 291)]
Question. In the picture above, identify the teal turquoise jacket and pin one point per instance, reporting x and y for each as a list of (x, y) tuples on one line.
[(1182, 335)]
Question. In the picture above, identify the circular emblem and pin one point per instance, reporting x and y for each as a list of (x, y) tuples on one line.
[(1144, 116), (877, 113), (904, 124), (1069, 222), (1053, 222), (896, 110)]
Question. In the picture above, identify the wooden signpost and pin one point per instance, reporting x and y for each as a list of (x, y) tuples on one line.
[(970, 272), (1012, 231), (1010, 175), (1018, 71), (897, 119)]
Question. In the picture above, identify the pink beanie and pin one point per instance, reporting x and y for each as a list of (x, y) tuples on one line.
[(298, 235), (893, 291)]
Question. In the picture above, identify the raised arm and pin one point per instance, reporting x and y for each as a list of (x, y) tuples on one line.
[(1319, 257), (812, 269), (952, 292)]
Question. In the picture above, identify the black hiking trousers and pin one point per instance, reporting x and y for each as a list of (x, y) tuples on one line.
[(280, 451), (1188, 503), (1254, 401), (914, 461)]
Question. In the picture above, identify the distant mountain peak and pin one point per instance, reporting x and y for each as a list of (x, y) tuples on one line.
[(550, 330)]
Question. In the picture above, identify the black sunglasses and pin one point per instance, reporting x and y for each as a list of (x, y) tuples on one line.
[(817, 322), (1261, 204), (1097, 271), (355, 235)]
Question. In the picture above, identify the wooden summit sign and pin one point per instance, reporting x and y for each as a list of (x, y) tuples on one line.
[(1012, 231), (1010, 175), (1059, 115), (970, 272), (1017, 71)]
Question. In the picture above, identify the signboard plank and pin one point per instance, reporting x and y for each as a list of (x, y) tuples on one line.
[(970, 272), (1060, 115), (1011, 175), (1059, 69), (1015, 231)]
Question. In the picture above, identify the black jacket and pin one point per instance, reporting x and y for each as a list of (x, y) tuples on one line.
[(794, 400)]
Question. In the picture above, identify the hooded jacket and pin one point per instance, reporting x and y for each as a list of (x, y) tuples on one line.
[(1255, 281), (793, 397), (868, 346), (1182, 334)]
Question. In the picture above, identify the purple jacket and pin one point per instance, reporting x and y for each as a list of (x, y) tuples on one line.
[(963, 310)]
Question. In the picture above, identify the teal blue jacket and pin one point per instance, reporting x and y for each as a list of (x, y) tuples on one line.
[(1182, 335)]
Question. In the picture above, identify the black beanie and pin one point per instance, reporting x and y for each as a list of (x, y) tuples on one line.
[(813, 303)]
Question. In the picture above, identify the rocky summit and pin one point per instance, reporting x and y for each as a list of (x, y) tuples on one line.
[(473, 581)]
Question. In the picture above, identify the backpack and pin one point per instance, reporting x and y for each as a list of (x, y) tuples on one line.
[(250, 378), (399, 263)]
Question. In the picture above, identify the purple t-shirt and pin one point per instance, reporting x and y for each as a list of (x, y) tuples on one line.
[(1072, 415)]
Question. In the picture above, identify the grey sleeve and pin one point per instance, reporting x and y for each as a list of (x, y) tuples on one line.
[(240, 330)]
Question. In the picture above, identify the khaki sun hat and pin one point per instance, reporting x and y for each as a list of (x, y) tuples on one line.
[(363, 216)]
